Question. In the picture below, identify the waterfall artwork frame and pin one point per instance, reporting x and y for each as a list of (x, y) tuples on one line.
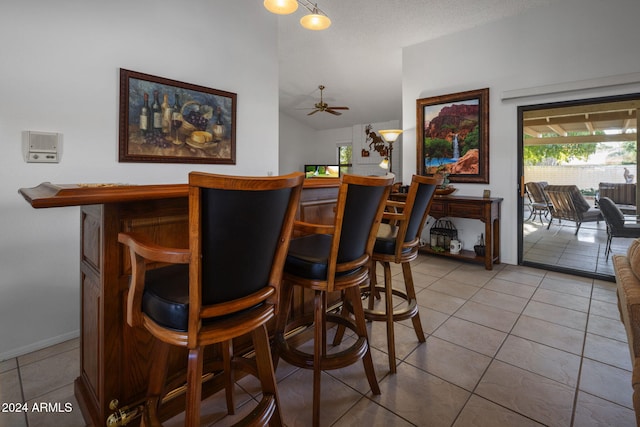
[(452, 136)]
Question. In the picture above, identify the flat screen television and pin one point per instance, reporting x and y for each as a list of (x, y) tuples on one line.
[(322, 171)]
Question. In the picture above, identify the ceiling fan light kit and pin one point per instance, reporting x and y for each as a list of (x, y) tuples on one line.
[(316, 20), (323, 106)]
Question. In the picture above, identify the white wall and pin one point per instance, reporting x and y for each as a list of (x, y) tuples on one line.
[(300, 145), (570, 41), (60, 65)]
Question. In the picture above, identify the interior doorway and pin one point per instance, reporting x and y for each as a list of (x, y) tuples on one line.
[(586, 144)]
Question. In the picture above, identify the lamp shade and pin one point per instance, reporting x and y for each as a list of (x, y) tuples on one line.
[(390, 135), (315, 21), (384, 164), (281, 7)]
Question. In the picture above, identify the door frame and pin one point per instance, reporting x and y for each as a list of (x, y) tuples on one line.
[(521, 109)]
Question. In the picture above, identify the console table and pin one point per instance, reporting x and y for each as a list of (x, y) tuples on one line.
[(484, 209)]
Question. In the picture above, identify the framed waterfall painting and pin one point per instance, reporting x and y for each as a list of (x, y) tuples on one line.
[(168, 121), (453, 136)]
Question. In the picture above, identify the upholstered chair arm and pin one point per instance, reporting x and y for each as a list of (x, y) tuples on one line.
[(142, 250)]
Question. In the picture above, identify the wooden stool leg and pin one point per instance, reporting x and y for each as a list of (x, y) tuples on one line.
[(157, 377), (265, 369), (388, 294), (373, 283), (319, 345), (194, 387), (353, 294), (411, 294), (340, 329), (286, 297), (227, 355)]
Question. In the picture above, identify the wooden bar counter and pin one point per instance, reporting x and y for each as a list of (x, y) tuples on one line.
[(114, 357)]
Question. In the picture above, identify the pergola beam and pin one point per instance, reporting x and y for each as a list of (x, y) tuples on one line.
[(586, 139), (531, 132), (557, 129)]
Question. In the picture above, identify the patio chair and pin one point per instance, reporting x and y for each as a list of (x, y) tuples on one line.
[(568, 203), (616, 225), (538, 203), (622, 194)]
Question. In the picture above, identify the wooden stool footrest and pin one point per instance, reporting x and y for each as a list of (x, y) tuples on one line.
[(401, 313), (261, 414), (331, 361)]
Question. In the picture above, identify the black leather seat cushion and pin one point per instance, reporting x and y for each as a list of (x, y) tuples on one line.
[(386, 240), (308, 256), (166, 296)]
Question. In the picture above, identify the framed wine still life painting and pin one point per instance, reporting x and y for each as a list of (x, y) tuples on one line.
[(453, 136), (168, 121)]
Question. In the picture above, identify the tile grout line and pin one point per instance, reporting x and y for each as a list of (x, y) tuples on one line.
[(584, 343)]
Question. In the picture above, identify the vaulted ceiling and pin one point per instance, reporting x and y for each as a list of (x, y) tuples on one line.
[(359, 58)]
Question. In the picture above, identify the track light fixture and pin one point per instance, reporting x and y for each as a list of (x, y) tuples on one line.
[(316, 19)]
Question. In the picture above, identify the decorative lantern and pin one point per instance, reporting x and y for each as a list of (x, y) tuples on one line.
[(442, 233)]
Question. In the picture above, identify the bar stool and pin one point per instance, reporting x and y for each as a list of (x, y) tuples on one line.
[(397, 241), (333, 258), (226, 284)]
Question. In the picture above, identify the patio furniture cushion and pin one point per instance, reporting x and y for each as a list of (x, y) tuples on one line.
[(568, 203), (622, 194)]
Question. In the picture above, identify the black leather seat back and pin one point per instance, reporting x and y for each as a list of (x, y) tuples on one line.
[(418, 211), (240, 232), (360, 212)]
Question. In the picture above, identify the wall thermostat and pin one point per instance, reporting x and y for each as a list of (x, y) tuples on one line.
[(41, 147)]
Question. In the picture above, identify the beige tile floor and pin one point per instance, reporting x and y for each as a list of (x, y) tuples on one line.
[(515, 346)]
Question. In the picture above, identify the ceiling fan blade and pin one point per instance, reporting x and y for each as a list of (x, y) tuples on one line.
[(335, 113), (338, 108), (313, 112)]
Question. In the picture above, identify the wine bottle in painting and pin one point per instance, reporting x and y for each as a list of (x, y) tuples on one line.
[(218, 127), (157, 113), (145, 116), (166, 115)]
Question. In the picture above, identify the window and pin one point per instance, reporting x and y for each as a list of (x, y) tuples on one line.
[(345, 156)]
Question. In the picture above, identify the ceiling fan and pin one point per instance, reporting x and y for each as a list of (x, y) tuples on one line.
[(323, 106)]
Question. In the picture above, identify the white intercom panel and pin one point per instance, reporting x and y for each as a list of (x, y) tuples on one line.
[(41, 147)]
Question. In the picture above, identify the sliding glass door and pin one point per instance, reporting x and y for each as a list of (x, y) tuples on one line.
[(573, 152)]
